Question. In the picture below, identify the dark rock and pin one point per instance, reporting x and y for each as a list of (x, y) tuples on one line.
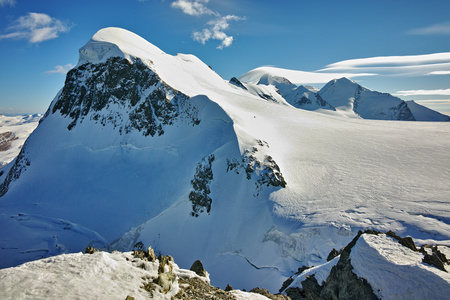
[(198, 268), (129, 298), (408, 242), (90, 250), (199, 197), (434, 260), (285, 284), (440, 255), (342, 283), (334, 253), (228, 288), (237, 83)]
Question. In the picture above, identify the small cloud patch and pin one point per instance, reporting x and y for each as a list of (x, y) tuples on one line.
[(35, 28)]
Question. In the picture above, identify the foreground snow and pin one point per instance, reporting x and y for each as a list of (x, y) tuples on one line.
[(392, 270), (93, 276)]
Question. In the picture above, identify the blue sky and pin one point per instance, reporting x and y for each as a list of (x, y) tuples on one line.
[(404, 44)]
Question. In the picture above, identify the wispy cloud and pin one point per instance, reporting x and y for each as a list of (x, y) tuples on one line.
[(7, 2), (439, 73), (60, 69), (216, 31), (193, 7), (440, 92), (215, 27), (296, 77), (36, 28), (437, 29), (408, 65)]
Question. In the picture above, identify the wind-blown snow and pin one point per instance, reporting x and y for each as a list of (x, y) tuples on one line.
[(94, 186)]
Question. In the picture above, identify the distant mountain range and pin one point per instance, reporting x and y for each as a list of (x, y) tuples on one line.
[(343, 96)]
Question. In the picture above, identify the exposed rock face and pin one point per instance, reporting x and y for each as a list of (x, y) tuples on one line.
[(91, 89), (20, 165), (342, 283), (201, 202)]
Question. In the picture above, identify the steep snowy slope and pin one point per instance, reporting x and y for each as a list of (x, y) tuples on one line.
[(422, 113), (143, 146)]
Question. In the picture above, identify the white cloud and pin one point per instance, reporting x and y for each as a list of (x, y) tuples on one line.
[(216, 31), (439, 92), (408, 65), (294, 76), (7, 2), (193, 7), (60, 69), (215, 27), (439, 29), (36, 28), (439, 73)]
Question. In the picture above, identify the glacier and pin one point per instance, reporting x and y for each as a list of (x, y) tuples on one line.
[(199, 168)]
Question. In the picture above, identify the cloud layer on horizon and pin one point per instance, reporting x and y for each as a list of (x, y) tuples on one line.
[(408, 65)]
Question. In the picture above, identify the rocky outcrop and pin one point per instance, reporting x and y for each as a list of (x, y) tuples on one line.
[(91, 89), (343, 283), (201, 201), (198, 268)]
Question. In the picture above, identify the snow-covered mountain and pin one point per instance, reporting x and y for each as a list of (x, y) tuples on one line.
[(344, 96), (140, 145), (422, 113), (14, 130)]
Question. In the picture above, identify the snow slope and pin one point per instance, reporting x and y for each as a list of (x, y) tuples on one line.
[(174, 156), (99, 275), (422, 113), (392, 270), (20, 128)]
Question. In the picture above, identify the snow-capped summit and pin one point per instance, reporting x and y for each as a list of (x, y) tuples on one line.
[(353, 100), (117, 42)]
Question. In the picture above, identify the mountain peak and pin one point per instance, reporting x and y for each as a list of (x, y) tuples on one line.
[(116, 42)]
